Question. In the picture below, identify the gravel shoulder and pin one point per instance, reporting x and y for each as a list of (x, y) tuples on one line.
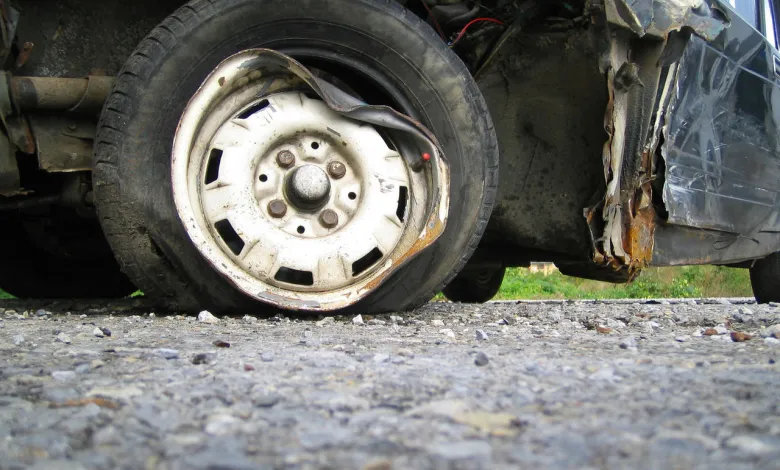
[(691, 384)]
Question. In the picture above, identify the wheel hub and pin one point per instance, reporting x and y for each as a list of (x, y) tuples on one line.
[(308, 187)]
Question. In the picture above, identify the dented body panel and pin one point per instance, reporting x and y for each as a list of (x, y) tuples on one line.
[(721, 151), (686, 158), (716, 110)]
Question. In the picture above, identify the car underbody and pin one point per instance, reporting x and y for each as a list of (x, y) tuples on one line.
[(586, 98)]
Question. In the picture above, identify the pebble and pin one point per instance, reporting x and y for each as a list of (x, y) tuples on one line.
[(326, 321), (267, 356), (168, 353), (119, 393), (266, 400), (771, 341), (381, 358), (481, 359), (105, 331), (481, 335), (396, 319), (739, 337), (98, 332), (437, 323), (744, 311), (221, 344), (358, 320), (447, 332), (249, 319), (628, 343), (471, 454), (42, 313), (682, 339), (750, 445), (221, 424), (721, 330), (375, 321), (773, 330), (710, 332), (248, 367), (204, 358), (18, 340), (63, 375), (63, 338), (206, 317), (404, 352), (379, 464)]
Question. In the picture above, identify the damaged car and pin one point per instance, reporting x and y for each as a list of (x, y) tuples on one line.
[(364, 155)]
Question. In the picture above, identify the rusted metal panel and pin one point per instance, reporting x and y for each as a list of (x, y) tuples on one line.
[(622, 224), (64, 144)]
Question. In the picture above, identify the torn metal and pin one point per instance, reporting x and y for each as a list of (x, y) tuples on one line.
[(623, 224)]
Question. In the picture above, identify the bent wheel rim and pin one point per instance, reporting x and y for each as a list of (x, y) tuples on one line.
[(257, 191)]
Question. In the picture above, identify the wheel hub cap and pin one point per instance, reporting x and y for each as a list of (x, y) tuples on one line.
[(308, 187)]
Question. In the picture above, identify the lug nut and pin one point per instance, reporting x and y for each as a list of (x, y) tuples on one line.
[(337, 169), (329, 218), (277, 208), (285, 159)]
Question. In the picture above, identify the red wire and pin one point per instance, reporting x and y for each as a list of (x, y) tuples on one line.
[(433, 18), (476, 20)]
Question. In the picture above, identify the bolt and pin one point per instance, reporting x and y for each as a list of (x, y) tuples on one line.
[(329, 218), (285, 159), (277, 208), (337, 169)]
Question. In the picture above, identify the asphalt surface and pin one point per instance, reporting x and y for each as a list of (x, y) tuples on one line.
[(504, 385)]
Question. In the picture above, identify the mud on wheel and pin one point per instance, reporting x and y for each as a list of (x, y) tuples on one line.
[(250, 153)]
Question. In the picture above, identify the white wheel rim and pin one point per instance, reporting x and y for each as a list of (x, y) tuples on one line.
[(225, 173)]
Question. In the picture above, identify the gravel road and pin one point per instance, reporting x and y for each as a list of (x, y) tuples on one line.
[(503, 385)]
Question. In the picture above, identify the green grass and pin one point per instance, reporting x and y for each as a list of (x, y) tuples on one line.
[(688, 281)]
